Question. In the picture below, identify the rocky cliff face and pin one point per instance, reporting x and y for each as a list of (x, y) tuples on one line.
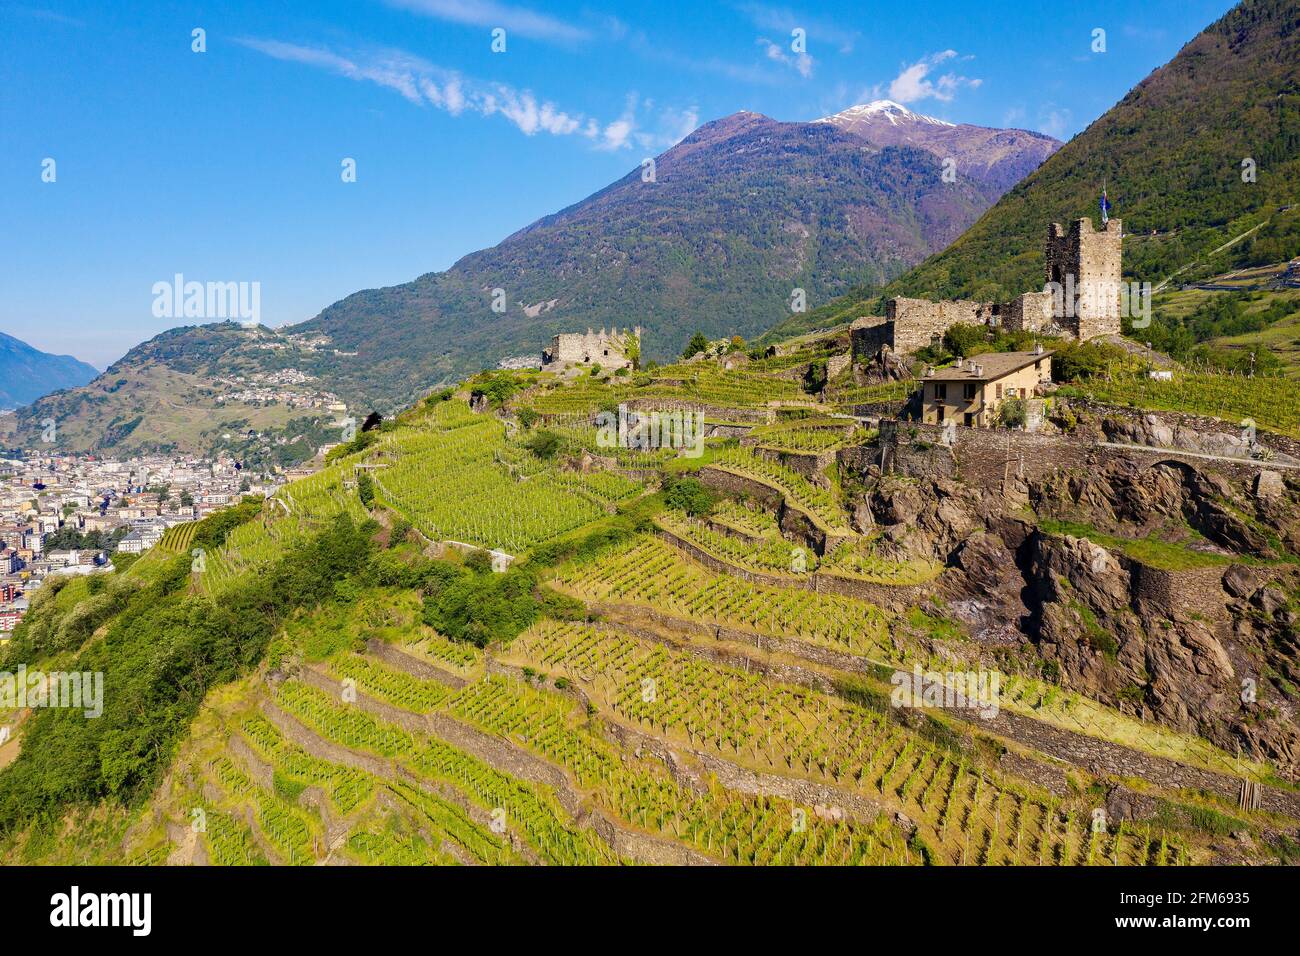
[(1177, 600)]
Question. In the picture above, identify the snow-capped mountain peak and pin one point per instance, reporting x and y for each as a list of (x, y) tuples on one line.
[(895, 113)]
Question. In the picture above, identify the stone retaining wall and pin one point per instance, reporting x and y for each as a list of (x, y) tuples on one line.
[(883, 595), (1179, 422)]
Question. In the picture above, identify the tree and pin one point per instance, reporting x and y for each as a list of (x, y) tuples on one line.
[(698, 343), (814, 379), (690, 495), (543, 443), (366, 489)]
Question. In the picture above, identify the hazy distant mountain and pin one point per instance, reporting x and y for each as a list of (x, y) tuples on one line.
[(741, 212), (26, 373)]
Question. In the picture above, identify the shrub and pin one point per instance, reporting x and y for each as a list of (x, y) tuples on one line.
[(1012, 413), (543, 443), (814, 379), (690, 495), (399, 532), (484, 608), (698, 343), (480, 562)]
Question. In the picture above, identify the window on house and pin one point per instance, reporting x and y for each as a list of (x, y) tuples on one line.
[(970, 392), (998, 393), (970, 419), (940, 391)]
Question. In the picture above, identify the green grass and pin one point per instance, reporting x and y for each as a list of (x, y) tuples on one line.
[(1151, 550), (1268, 400)]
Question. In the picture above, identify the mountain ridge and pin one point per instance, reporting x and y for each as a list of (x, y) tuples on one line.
[(27, 373), (715, 236), (1236, 84)]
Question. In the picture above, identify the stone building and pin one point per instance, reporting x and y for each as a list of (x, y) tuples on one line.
[(1085, 266), (1081, 297), (971, 392), (610, 349)]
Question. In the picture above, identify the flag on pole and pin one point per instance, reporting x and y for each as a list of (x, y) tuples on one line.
[(1105, 207)]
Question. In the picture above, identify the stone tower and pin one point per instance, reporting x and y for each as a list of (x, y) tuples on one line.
[(1083, 271)]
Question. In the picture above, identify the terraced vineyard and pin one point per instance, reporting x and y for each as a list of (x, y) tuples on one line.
[(817, 501), (493, 507), (970, 816), (1268, 400), (717, 823), (177, 539), (771, 552), (287, 520), (650, 574), (811, 435), (640, 686)]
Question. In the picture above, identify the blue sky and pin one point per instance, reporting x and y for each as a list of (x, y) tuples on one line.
[(225, 165)]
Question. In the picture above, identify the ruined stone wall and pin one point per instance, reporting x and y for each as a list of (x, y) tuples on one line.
[(919, 322), (866, 339), (606, 348), (1190, 592), (1027, 312), (837, 364)]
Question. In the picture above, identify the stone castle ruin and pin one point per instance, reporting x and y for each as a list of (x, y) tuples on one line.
[(1081, 297), (610, 349)]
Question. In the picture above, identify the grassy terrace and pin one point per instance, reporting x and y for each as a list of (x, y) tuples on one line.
[(1269, 400), (773, 554), (965, 814), (808, 435), (1154, 550), (652, 575)]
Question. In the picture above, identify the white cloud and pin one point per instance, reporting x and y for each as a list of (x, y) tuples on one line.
[(797, 61), (486, 13), (767, 17), (1054, 120), (916, 83), (425, 84)]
